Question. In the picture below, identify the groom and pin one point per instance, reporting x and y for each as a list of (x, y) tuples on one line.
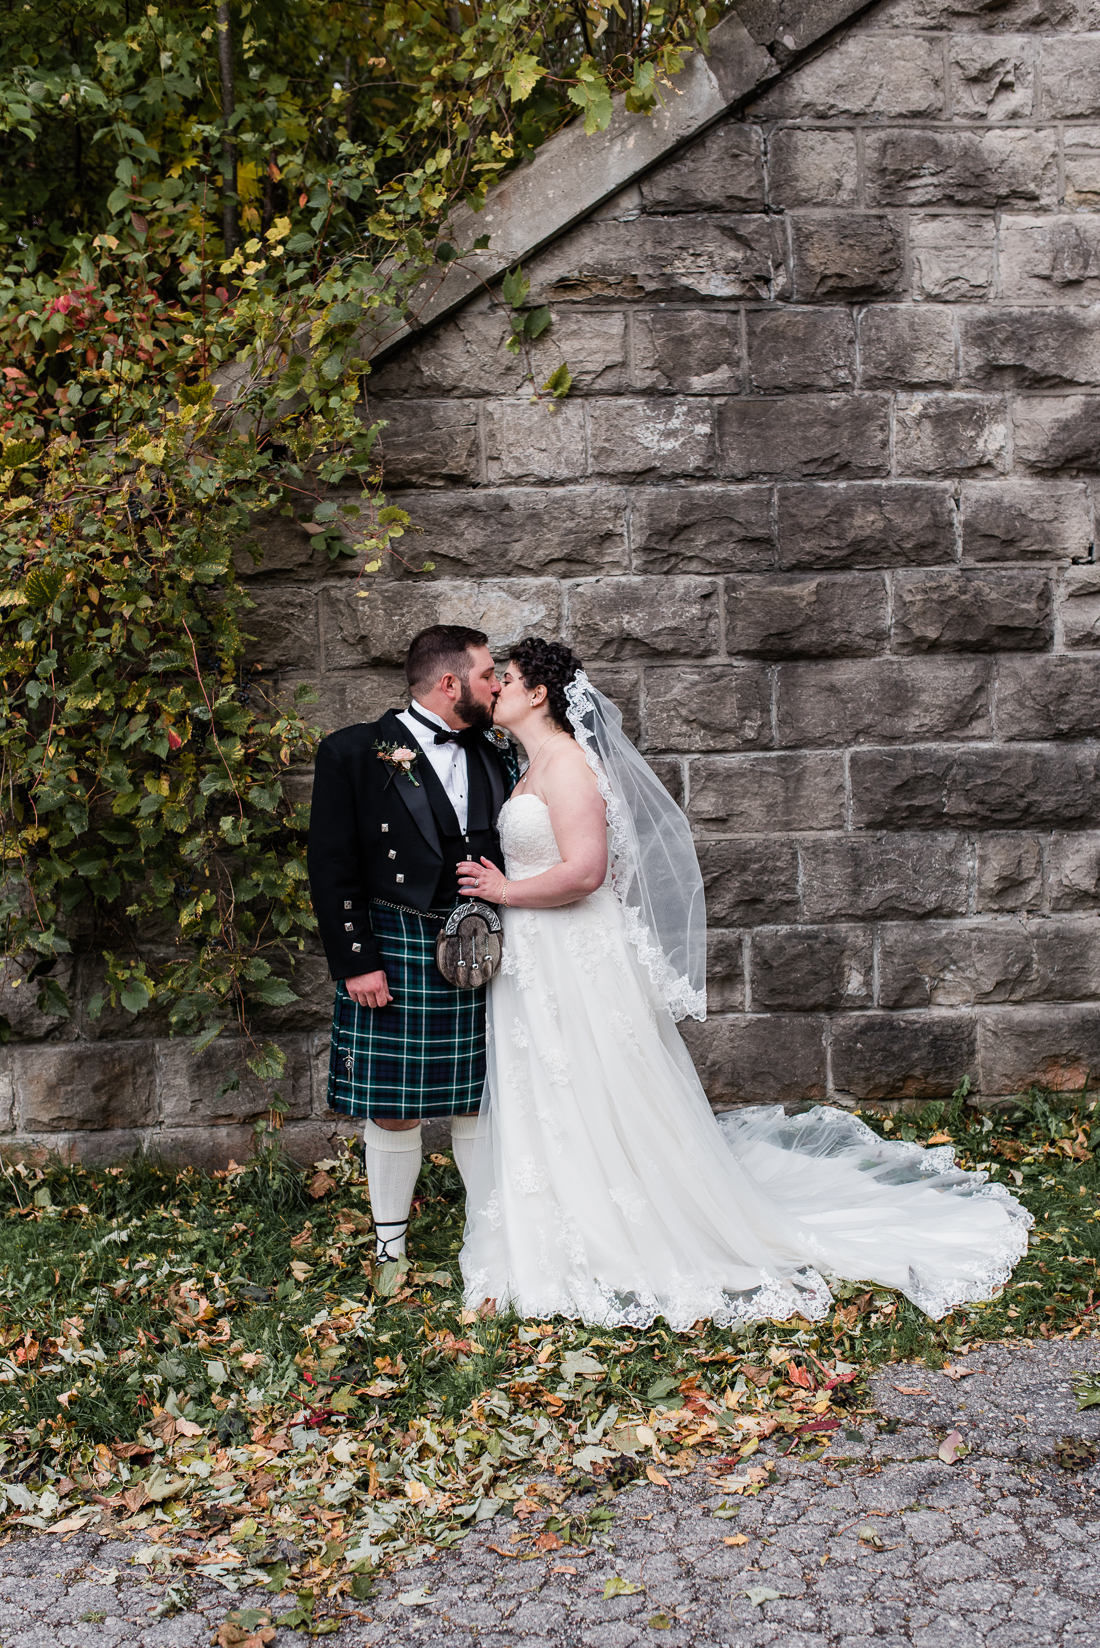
[(398, 804)]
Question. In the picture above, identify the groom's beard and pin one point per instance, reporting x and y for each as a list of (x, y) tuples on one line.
[(474, 715)]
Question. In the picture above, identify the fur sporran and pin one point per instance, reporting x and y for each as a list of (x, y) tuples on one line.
[(470, 944)]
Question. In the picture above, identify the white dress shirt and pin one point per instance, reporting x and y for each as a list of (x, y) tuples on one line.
[(448, 760)]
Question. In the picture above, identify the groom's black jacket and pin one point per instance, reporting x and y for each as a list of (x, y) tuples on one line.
[(373, 833)]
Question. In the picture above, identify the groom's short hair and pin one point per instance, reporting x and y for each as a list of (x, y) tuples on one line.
[(442, 649)]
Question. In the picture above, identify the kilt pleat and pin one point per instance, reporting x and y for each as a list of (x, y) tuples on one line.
[(424, 1054)]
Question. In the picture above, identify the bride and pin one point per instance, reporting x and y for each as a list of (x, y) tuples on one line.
[(602, 1185)]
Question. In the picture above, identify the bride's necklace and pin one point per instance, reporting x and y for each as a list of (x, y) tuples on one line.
[(537, 753)]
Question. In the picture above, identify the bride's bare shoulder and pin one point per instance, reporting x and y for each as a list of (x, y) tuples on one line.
[(567, 769)]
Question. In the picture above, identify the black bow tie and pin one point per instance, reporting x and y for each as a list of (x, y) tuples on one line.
[(463, 736)]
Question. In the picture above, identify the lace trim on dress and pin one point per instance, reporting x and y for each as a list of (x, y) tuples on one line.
[(677, 993)]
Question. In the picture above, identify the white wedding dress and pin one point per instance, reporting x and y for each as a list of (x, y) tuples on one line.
[(603, 1187)]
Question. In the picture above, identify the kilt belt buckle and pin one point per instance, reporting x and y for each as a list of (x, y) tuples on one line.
[(470, 945)]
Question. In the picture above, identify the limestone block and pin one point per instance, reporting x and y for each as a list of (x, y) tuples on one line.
[(1057, 432), (873, 523), (1055, 259), (943, 609), (663, 258), (1024, 520), (624, 688), (19, 1000), (914, 166), (1000, 787), (811, 168), (1051, 697), (72, 1088), (653, 438), (108, 1148), (329, 708), (734, 794), (1073, 871), (801, 348), (806, 614), (282, 626), (687, 351), (287, 551), (754, 879), (810, 969), (972, 15), (992, 79), (1056, 1047), (720, 172), (378, 628), (737, 1063), (861, 74), (534, 441), (428, 443), (616, 618), (467, 356), (884, 877), (844, 256), (1010, 871), (716, 707), (670, 770), (701, 528), (929, 964), (508, 531), (800, 437), (1071, 77), (368, 694), (878, 1056), (903, 347), (1030, 348), (1081, 606), (948, 434), (953, 257), (189, 1083), (1082, 166), (883, 700), (725, 971)]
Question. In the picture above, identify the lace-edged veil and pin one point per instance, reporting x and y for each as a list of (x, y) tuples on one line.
[(654, 869)]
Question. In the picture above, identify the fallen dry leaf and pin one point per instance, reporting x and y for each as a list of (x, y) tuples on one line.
[(303, 1237), (560, 1568), (939, 1138), (187, 1427), (951, 1447), (655, 1476), (736, 1539), (320, 1184), (912, 1390), (548, 1542), (957, 1372)]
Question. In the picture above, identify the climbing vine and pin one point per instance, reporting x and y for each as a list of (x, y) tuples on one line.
[(207, 213)]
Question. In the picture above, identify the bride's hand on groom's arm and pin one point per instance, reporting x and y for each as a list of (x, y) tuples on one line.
[(482, 881)]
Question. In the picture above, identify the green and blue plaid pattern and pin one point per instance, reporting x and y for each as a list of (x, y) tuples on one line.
[(424, 1054)]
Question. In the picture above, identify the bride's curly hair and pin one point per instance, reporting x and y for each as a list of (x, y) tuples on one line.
[(551, 665)]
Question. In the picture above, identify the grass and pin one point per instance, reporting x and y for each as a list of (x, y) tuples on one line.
[(215, 1358)]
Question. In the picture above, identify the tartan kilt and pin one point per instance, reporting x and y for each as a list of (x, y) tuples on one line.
[(424, 1054)]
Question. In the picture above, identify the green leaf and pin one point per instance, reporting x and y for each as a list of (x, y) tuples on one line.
[(559, 382), (515, 287), (592, 96), (617, 1586), (536, 322), (522, 76)]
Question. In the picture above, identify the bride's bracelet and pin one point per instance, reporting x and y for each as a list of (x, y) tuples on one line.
[(504, 899)]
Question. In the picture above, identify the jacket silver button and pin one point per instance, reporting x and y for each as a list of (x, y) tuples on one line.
[(355, 949), (349, 927), (347, 904), (385, 829), (391, 853), (400, 878)]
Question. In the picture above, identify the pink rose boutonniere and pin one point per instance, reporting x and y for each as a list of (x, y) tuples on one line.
[(400, 759)]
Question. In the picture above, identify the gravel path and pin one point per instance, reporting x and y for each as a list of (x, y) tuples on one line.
[(999, 1549)]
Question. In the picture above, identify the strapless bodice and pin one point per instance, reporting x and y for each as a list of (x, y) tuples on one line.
[(527, 837)]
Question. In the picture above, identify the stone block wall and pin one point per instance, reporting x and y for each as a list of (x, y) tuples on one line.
[(818, 513)]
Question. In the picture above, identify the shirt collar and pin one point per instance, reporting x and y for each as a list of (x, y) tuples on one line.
[(430, 715)]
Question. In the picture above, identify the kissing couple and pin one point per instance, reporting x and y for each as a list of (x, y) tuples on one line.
[(599, 1183)]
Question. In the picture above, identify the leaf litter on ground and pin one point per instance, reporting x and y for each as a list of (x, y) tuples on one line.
[(215, 1364)]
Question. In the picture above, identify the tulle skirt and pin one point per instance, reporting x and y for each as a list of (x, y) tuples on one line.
[(604, 1188)]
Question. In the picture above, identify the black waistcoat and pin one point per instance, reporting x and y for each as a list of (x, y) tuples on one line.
[(477, 841)]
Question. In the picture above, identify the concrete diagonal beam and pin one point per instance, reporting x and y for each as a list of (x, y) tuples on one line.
[(571, 174)]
